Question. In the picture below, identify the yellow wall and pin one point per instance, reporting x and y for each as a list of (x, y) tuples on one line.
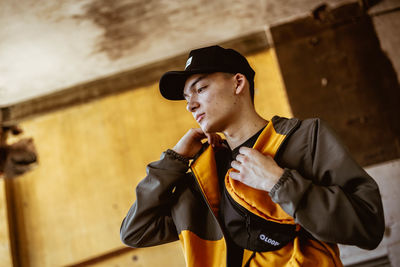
[(91, 156), (5, 245), (270, 95)]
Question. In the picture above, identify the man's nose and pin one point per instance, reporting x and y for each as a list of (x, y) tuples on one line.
[(192, 105)]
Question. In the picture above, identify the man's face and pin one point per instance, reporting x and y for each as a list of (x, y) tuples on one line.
[(211, 100)]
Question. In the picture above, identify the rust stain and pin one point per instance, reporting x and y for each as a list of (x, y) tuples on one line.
[(120, 22), (130, 25)]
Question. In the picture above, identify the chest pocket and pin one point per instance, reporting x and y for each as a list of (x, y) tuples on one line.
[(252, 232)]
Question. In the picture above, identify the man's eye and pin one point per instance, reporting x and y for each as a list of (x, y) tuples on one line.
[(201, 89)]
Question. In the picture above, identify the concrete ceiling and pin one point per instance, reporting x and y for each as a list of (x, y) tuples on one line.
[(51, 45)]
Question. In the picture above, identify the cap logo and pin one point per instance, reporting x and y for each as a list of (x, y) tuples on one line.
[(188, 62)]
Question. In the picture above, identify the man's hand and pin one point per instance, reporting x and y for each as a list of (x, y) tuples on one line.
[(255, 169), (190, 143)]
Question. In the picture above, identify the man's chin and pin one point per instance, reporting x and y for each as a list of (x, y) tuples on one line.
[(208, 130), (205, 129), (210, 127)]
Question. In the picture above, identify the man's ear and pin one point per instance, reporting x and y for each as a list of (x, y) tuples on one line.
[(240, 81)]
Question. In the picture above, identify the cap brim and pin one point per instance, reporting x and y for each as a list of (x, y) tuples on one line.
[(172, 84)]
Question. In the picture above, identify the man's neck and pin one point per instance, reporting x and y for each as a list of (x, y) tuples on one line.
[(243, 129)]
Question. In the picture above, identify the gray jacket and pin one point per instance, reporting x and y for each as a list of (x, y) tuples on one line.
[(322, 188)]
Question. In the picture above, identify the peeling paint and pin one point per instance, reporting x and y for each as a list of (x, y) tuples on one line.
[(131, 25)]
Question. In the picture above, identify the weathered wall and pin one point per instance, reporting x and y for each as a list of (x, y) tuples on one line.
[(334, 68), (386, 19), (69, 209), (50, 45)]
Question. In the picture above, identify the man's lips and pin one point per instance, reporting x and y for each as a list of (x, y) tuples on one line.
[(199, 117)]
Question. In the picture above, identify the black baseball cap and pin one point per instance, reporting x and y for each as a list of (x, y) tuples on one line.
[(205, 60)]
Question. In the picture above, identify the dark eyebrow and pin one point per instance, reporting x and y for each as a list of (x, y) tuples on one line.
[(194, 83)]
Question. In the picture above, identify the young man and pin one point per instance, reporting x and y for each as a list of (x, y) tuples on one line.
[(274, 193)]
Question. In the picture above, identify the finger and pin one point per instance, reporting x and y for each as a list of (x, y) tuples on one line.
[(245, 150), (199, 133), (218, 140), (240, 158), (213, 139), (236, 165), (210, 139), (235, 175), (196, 134)]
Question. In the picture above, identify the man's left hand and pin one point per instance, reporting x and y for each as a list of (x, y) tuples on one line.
[(255, 169)]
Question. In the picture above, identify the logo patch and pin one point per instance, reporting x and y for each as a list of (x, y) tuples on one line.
[(188, 62), (268, 240)]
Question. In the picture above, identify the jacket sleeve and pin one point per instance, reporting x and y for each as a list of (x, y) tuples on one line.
[(149, 220), (338, 202)]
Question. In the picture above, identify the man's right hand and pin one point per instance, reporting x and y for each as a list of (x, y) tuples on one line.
[(191, 143)]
